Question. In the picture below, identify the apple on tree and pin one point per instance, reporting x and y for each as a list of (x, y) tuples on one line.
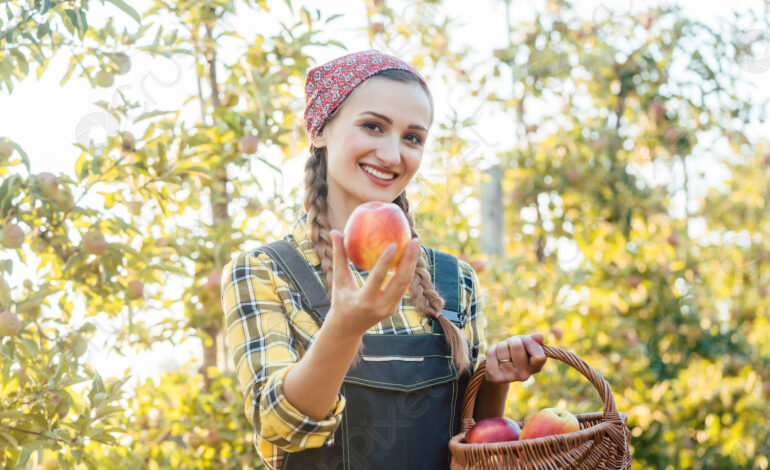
[(9, 324), (248, 144), (6, 150), (11, 236), (48, 185), (135, 289), (94, 242), (214, 280), (549, 422), (371, 228)]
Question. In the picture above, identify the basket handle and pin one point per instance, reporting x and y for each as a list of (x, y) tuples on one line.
[(610, 412)]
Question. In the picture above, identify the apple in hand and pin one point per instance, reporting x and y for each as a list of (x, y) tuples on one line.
[(371, 227), (493, 430), (549, 422)]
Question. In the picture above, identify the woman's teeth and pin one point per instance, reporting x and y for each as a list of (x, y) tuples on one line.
[(378, 174)]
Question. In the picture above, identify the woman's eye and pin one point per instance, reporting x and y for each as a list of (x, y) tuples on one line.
[(417, 139)]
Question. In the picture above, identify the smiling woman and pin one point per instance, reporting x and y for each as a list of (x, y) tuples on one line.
[(374, 143), (318, 400)]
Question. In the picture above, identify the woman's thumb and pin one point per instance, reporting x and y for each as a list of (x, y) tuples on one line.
[(539, 338)]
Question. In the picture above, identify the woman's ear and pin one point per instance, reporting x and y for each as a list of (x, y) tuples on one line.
[(319, 141)]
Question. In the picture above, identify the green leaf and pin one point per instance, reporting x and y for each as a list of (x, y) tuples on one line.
[(26, 452), (22, 61), (126, 8), (81, 169), (150, 114), (9, 438), (5, 293), (42, 30)]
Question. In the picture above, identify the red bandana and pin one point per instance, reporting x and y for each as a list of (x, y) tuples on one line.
[(328, 84)]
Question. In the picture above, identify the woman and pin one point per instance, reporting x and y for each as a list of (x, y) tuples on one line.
[(383, 383)]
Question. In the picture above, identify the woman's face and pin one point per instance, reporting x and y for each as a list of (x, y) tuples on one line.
[(380, 128)]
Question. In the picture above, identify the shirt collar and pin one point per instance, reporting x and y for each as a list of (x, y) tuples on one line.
[(301, 234)]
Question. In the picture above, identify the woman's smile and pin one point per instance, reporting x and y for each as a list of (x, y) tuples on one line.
[(378, 177)]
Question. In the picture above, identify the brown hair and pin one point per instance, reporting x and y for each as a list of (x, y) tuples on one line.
[(421, 291)]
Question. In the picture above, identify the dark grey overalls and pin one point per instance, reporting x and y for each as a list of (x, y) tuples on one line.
[(403, 399)]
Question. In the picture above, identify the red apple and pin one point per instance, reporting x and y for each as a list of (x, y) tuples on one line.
[(94, 242), (478, 265), (63, 199), (128, 142), (574, 176), (673, 239), (634, 281), (658, 111), (670, 134), (214, 280), (493, 430), (6, 150), (212, 438), (11, 236), (248, 144), (549, 422), (377, 27), (371, 228), (9, 324), (48, 185), (135, 289)]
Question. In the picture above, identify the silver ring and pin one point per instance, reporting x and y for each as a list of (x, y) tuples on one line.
[(504, 360)]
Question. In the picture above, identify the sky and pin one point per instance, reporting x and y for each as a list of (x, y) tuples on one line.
[(45, 118)]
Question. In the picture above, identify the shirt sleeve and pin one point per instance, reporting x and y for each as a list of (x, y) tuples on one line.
[(475, 319), (263, 350)]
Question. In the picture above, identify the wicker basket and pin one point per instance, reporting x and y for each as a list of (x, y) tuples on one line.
[(601, 443)]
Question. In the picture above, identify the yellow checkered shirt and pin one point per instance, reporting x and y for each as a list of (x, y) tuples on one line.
[(269, 331)]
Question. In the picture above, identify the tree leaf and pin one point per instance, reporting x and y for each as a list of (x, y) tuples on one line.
[(126, 8)]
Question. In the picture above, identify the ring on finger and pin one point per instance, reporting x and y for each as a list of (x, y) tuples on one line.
[(503, 360)]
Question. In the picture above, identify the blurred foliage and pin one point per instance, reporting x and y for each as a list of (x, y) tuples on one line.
[(611, 246)]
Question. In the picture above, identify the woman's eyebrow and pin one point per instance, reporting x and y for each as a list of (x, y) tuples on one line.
[(389, 121)]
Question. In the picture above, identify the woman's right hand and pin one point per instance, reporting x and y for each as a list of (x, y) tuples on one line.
[(358, 309)]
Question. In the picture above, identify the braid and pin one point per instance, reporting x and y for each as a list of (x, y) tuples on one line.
[(316, 207), (429, 302)]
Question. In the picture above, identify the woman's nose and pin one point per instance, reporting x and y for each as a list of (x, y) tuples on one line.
[(388, 153)]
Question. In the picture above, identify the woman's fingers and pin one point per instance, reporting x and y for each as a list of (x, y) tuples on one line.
[(493, 367), (535, 350), (404, 272), (379, 271), (518, 356)]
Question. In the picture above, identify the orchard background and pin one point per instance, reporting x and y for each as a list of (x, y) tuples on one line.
[(620, 148)]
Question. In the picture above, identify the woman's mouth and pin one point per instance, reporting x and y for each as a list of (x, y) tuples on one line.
[(378, 177)]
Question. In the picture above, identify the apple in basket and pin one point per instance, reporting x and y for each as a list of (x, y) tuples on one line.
[(371, 227), (549, 422), (493, 430)]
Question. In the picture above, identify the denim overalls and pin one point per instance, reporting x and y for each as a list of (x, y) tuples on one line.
[(403, 399)]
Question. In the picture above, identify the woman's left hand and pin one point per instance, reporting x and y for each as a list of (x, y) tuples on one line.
[(515, 359)]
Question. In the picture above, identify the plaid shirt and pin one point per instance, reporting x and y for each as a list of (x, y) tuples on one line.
[(269, 330)]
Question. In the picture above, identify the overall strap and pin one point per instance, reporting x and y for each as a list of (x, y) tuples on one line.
[(444, 272), (303, 278), (445, 275)]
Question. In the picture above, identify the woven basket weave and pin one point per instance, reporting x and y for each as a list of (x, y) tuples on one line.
[(601, 443)]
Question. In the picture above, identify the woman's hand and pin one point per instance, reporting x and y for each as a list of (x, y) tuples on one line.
[(358, 309), (515, 359)]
